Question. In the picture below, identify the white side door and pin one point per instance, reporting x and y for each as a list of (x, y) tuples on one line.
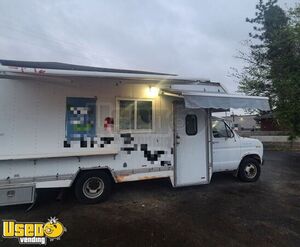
[(191, 146), (226, 147)]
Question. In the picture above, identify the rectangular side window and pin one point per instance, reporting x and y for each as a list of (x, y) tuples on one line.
[(191, 124), (126, 116), (135, 114), (144, 115), (80, 118)]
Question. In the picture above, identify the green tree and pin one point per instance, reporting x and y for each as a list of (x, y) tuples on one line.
[(273, 63), (285, 73)]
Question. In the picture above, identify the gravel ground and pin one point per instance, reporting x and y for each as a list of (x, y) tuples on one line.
[(151, 213)]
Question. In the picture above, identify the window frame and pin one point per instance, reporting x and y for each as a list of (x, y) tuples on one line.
[(227, 129), (196, 121), (135, 130)]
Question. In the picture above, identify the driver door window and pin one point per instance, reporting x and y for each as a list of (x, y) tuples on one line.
[(220, 129)]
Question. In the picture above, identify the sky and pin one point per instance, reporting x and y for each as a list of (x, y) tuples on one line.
[(191, 38)]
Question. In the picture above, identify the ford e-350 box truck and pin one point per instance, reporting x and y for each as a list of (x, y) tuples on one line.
[(64, 125)]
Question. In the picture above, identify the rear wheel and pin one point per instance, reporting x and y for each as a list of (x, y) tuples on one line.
[(249, 170), (93, 187)]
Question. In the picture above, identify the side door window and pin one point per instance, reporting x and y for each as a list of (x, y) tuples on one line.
[(191, 128), (221, 130)]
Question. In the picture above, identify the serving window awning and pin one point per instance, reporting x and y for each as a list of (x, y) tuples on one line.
[(222, 100)]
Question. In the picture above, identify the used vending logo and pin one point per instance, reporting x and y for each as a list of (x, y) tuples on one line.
[(33, 233)]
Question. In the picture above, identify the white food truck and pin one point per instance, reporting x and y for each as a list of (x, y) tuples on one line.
[(64, 125)]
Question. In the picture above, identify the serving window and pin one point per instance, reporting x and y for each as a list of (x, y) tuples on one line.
[(135, 114)]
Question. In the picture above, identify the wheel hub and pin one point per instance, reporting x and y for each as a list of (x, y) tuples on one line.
[(250, 171), (93, 187)]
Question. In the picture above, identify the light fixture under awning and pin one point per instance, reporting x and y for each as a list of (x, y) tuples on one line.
[(223, 101)]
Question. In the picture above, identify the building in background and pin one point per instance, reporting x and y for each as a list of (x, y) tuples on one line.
[(242, 122), (268, 122)]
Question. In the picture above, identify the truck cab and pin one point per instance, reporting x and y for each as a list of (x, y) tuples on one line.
[(232, 152)]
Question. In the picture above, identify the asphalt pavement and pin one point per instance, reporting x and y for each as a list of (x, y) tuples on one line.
[(226, 212)]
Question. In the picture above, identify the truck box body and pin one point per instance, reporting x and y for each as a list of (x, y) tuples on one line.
[(56, 122), (33, 131)]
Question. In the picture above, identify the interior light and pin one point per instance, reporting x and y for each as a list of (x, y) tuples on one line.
[(153, 92)]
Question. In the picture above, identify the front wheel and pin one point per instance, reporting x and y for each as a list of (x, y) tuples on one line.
[(249, 170), (93, 187)]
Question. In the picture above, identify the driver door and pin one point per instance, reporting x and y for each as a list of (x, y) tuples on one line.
[(226, 147)]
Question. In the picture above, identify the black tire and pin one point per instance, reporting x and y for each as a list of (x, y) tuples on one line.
[(93, 187), (249, 170)]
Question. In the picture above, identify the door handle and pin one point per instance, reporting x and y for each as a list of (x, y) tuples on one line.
[(177, 137), (214, 142)]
